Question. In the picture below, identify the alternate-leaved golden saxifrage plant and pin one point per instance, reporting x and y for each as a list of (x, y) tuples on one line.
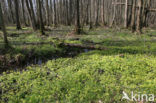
[(90, 77)]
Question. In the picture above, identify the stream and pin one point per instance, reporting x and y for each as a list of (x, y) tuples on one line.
[(39, 61), (69, 53)]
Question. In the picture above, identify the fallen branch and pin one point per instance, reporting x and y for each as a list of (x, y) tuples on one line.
[(93, 47), (118, 3), (83, 46), (29, 43), (152, 10)]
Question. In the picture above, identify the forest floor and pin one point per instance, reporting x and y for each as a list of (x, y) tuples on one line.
[(62, 67)]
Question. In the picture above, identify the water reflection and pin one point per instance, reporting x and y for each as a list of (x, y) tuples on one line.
[(40, 60)]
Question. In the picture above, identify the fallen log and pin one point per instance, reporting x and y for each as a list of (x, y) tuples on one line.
[(29, 43), (152, 10), (83, 46), (92, 47)]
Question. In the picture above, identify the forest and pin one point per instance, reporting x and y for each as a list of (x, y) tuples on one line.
[(77, 51)]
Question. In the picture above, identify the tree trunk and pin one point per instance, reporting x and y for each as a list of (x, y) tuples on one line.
[(114, 14), (11, 11), (18, 25), (87, 13), (67, 10), (41, 19), (47, 8), (133, 16), (23, 11), (126, 13), (104, 13), (70, 12), (2, 25), (51, 8), (145, 12), (78, 27), (139, 23), (97, 13), (33, 14), (91, 23), (33, 20), (55, 15)]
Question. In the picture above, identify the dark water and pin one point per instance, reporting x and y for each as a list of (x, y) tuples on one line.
[(86, 50), (35, 61), (40, 60)]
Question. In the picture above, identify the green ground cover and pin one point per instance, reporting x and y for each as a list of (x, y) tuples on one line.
[(129, 64)]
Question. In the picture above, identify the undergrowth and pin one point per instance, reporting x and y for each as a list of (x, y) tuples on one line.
[(129, 64), (90, 77)]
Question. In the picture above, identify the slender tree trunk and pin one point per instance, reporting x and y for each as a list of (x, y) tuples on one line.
[(133, 16), (55, 15), (32, 18), (104, 12), (47, 8), (38, 15), (67, 10), (126, 13), (33, 14), (51, 8), (145, 12), (91, 23), (97, 13), (114, 14), (78, 27), (87, 10), (139, 24), (70, 12), (23, 11), (2, 25), (41, 19), (11, 11), (18, 25)]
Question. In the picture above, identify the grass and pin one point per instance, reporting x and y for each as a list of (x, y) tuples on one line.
[(129, 64)]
